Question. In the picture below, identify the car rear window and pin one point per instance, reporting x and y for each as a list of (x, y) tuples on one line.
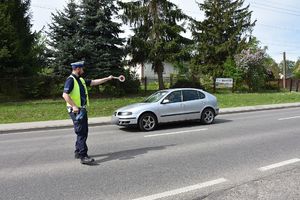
[(201, 95), (190, 95)]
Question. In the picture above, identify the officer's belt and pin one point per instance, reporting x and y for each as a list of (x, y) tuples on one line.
[(70, 108)]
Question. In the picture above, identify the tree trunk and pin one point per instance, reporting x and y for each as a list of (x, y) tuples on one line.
[(159, 70), (160, 80)]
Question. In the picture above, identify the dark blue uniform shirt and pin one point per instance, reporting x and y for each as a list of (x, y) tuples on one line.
[(69, 85)]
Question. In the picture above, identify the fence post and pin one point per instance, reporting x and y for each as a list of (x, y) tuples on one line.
[(291, 85), (214, 85), (145, 83), (232, 90)]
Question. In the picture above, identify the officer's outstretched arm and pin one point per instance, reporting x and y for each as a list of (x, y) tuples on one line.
[(100, 81)]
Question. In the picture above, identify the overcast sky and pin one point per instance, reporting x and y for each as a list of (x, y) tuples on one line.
[(277, 24)]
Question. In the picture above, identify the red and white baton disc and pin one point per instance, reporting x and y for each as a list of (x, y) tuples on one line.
[(121, 78)]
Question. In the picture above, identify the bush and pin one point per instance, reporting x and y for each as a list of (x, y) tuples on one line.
[(132, 83), (46, 86), (116, 88), (113, 90), (9, 88), (39, 86), (271, 86), (250, 62)]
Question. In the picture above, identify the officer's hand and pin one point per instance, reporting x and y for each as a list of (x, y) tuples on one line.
[(110, 77), (75, 109)]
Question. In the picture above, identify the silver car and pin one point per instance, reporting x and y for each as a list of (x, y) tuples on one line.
[(169, 106)]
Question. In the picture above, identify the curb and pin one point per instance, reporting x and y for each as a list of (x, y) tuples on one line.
[(101, 121), (29, 129), (257, 108)]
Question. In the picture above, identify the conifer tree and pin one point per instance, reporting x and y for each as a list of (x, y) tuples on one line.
[(223, 33), (156, 33), (102, 46), (16, 39), (65, 41)]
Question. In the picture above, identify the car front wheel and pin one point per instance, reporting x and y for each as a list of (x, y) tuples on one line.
[(147, 122), (207, 116)]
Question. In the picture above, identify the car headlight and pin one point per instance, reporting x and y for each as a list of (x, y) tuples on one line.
[(125, 113)]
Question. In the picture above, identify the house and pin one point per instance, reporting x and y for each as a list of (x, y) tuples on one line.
[(288, 75), (148, 72)]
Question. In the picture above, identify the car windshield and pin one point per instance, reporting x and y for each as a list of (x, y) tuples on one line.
[(155, 97)]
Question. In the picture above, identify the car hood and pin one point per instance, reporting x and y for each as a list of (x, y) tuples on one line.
[(135, 107)]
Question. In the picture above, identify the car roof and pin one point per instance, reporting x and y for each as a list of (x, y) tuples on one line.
[(176, 89)]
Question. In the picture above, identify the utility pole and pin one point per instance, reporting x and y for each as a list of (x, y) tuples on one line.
[(284, 70)]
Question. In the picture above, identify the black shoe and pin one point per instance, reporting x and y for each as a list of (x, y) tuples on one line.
[(76, 155), (87, 160)]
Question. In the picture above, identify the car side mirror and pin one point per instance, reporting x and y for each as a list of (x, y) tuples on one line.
[(165, 101)]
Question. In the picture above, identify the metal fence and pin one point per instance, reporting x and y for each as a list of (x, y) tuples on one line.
[(290, 84), (52, 86), (152, 83)]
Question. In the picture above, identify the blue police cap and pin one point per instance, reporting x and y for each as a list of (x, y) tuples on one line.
[(77, 64)]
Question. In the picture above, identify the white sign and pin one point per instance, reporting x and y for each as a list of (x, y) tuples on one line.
[(224, 82)]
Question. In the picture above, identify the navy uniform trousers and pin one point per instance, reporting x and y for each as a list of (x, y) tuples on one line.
[(81, 129)]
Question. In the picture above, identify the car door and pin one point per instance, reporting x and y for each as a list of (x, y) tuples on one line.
[(193, 103), (171, 108)]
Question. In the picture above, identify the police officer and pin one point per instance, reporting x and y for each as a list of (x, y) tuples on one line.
[(77, 99)]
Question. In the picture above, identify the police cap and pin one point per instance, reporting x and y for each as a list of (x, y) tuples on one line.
[(77, 64)]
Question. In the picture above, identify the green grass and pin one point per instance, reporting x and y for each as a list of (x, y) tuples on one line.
[(252, 99), (55, 109)]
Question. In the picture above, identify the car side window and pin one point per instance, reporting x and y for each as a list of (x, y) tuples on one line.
[(201, 95), (174, 97), (190, 95)]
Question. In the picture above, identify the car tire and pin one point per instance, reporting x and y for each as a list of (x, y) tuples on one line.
[(147, 122), (207, 116)]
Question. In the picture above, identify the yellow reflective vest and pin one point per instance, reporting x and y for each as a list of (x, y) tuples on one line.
[(75, 94)]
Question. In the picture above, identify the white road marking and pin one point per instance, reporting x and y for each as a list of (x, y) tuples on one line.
[(173, 133), (280, 164), (287, 118), (182, 190)]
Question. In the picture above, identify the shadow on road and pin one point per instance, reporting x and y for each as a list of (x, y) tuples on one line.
[(127, 154), (221, 121), (175, 125)]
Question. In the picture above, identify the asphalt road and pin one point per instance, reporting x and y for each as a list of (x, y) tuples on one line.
[(177, 161)]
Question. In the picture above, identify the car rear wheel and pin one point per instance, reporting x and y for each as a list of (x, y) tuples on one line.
[(207, 116), (147, 122)]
